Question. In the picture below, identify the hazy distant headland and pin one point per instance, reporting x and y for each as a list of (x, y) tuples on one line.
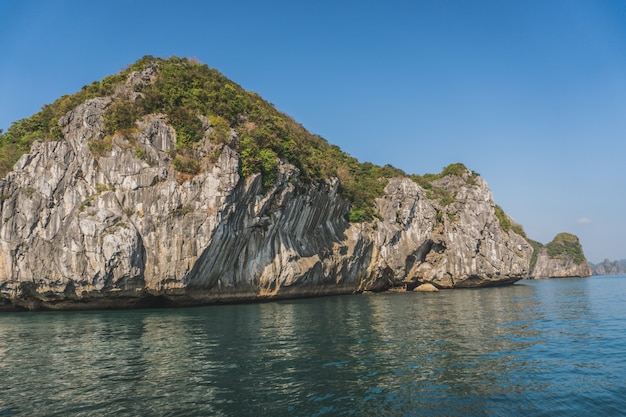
[(608, 267)]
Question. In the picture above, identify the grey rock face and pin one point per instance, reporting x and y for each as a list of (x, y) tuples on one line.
[(92, 221)]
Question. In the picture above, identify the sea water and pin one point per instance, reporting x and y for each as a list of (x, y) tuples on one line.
[(552, 347)]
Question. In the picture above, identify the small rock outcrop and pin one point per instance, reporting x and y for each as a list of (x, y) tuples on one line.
[(101, 220), (561, 258), (426, 288)]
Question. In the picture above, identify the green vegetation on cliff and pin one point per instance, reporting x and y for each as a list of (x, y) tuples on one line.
[(443, 195), (566, 244), (190, 93), (44, 125), (506, 223), (537, 246), (184, 90)]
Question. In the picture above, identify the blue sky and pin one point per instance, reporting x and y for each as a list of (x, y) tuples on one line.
[(531, 94)]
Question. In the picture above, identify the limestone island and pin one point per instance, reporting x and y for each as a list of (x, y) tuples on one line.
[(169, 185)]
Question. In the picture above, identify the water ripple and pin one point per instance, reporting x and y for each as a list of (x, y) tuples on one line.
[(535, 348)]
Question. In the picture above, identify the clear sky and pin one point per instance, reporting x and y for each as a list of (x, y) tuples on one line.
[(530, 94)]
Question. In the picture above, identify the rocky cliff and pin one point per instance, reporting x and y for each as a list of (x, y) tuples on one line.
[(92, 218), (562, 257)]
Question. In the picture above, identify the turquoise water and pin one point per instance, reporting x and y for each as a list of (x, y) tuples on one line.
[(552, 347)]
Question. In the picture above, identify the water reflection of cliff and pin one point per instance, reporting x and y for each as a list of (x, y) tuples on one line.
[(385, 354), (464, 344), (370, 353)]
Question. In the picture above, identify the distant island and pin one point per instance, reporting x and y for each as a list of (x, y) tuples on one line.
[(169, 185), (608, 267)]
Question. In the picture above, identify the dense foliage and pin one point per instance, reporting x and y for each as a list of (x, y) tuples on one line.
[(566, 244)]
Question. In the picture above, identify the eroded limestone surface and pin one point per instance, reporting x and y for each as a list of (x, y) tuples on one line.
[(119, 227)]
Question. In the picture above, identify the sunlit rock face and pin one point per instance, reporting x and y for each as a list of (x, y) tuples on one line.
[(106, 222)]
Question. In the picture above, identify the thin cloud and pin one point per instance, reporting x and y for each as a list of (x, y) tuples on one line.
[(583, 220)]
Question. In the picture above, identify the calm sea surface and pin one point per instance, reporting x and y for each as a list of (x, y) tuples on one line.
[(552, 347)]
